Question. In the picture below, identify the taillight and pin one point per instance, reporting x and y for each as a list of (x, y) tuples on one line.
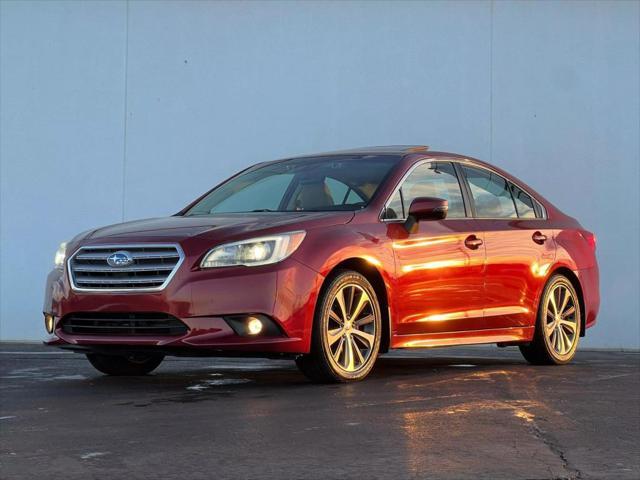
[(590, 238)]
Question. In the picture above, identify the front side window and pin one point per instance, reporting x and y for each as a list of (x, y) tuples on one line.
[(435, 179), (302, 184), (491, 193)]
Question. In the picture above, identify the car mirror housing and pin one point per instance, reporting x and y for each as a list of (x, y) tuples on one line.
[(425, 209)]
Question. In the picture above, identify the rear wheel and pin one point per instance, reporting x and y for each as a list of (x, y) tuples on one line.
[(133, 364), (346, 331), (558, 326)]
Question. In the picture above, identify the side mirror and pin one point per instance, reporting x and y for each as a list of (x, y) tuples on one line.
[(426, 208)]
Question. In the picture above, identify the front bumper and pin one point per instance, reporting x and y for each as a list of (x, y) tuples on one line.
[(285, 292)]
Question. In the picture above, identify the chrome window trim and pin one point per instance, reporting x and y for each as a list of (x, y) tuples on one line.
[(124, 246), (471, 163)]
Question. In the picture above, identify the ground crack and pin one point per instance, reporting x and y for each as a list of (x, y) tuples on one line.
[(554, 446)]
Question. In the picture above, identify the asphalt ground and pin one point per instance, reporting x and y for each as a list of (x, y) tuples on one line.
[(454, 413)]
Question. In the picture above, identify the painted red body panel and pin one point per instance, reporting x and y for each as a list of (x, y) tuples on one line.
[(438, 291)]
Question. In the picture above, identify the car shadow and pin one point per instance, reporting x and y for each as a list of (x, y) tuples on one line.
[(196, 381)]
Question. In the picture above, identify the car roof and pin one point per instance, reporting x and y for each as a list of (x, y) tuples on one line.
[(400, 151), (373, 150)]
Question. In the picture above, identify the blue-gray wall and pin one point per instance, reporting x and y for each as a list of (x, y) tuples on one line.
[(113, 111)]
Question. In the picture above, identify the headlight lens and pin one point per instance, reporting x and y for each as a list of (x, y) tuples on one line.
[(61, 255), (254, 252)]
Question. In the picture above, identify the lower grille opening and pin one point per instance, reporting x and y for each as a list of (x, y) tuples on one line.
[(122, 324)]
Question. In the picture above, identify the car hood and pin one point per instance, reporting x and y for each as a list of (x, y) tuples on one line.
[(218, 227)]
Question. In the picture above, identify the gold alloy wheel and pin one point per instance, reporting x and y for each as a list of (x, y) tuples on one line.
[(351, 328), (561, 319)]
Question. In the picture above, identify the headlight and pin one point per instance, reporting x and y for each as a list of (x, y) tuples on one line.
[(254, 252), (61, 255)]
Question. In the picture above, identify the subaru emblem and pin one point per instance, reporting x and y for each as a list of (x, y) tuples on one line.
[(120, 258)]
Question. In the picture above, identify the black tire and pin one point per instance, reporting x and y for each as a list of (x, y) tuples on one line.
[(543, 350), (362, 333), (129, 365)]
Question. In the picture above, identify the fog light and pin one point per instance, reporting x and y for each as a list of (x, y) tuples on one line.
[(49, 321), (254, 326)]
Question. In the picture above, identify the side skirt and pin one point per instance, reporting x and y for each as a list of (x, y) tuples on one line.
[(468, 337)]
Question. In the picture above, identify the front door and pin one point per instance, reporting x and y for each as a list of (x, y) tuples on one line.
[(440, 266)]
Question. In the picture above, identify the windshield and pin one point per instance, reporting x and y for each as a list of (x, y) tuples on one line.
[(301, 184)]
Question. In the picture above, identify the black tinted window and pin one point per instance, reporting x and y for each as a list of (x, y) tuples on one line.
[(491, 193)]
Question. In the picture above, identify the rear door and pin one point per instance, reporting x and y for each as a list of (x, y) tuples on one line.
[(438, 271), (519, 247)]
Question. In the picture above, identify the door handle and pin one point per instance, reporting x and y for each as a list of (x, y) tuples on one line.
[(539, 238), (472, 242)]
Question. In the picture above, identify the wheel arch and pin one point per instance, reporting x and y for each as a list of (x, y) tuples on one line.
[(375, 278), (575, 281)]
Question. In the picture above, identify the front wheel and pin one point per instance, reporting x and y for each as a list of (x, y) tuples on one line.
[(346, 331), (558, 325), (129, 365)]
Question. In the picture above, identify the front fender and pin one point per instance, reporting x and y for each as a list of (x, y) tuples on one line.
[(324, 249)]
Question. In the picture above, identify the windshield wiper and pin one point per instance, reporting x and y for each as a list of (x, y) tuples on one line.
[(263, 210)]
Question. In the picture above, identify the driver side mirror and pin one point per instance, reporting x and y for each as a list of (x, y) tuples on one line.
[(426, 208)]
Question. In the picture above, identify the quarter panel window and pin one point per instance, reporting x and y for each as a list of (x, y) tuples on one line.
[(491, 193), (524, 203), (541, 211), (394, 207)]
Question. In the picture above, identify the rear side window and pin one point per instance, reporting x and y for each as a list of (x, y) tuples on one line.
[(436, 179), (491, 193)]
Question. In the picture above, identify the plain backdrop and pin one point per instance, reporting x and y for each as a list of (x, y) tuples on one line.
[(114, 111)]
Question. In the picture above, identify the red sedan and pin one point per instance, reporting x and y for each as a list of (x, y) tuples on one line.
[(332, 259)]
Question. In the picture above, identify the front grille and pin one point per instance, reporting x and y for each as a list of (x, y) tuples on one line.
[(151, 269), (120, 324)]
